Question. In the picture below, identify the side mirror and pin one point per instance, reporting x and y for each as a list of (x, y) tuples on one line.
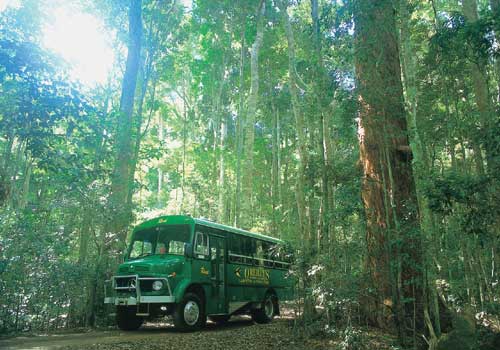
[(188, 250)]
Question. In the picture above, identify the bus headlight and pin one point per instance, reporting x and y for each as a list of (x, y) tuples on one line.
[(157, 285)]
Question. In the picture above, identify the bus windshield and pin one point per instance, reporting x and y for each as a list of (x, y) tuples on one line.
[(167, 239)]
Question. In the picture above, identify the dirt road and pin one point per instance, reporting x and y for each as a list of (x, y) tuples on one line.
[(240, 333)]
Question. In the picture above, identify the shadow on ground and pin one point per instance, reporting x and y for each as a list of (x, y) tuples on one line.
[(150, 331)]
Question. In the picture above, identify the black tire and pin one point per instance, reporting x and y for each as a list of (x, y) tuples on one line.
[(219, 319), (267, 311), (126, 319), (189, 314)]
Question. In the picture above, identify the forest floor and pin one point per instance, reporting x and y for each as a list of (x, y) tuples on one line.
[(240, 333)]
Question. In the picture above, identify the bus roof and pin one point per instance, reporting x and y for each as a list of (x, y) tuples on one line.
[(184, 219)]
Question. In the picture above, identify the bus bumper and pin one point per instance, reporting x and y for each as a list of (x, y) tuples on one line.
[(143, 299), (112, 286)]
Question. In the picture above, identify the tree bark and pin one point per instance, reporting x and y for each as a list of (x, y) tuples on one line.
[(325, 144), (495, 8), (247, 181), (420, 163), (222, 173), (300, 193), (388, 192), (239, 135), (482, 98), (124, 151)]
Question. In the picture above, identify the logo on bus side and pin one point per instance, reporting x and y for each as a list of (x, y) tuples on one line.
[(204, 271), (252, 275)]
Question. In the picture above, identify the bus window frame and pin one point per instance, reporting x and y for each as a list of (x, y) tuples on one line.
[(242, 259), (197, 254)]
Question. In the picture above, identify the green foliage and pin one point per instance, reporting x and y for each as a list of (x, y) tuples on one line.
[(57, 144), (471, 195)]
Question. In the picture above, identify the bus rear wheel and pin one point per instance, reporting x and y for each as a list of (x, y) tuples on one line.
[(189, 314), (126, 319), (267, 311)]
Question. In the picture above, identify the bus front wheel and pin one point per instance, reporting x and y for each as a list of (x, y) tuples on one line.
[(126, 319), (267, 311), (189, 314)]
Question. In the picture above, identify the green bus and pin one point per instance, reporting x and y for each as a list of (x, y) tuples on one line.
[(192, 269)]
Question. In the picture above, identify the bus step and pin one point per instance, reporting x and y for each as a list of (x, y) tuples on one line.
[(142, 314)]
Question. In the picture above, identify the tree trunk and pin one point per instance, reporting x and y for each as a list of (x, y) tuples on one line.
[(248, 176), (303, 205), (325, 144), (124, 152), (222, 173), (495, 8), (159, 187), (388, 191), (300, 191), (420, 166), (482, 98), (239, 135), (276, 177)]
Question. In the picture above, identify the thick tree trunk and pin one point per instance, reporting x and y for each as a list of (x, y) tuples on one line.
[(388, 191), (124, 151), (248, 176)]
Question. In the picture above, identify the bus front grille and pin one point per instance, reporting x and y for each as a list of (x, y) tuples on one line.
[(128, 282)]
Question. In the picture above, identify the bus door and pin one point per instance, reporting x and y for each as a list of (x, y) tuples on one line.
[(218, 272)]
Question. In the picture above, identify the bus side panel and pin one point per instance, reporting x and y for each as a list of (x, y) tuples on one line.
[(235, 290), (248, 283), (282, 284), (201, 275)]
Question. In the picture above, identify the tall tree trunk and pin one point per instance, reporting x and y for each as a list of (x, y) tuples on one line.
[(124, 151), (388, 191), (325, 144), (219, 143), (420, 162), (495, 8), (482, 98), (239, 135), (119, 216), (146, 75), (301, 198), (248, 176), (222, 173), (303, 205), (159, 170), (276, 177)]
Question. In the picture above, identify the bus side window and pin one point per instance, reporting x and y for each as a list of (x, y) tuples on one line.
[(253, 251), (260, 253), (234, 249), (247, 250), (201, 245), (282, 256), (268, 248)]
